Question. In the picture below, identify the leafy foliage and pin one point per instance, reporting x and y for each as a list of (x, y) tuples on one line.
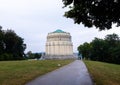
[(31, 55), (85, 49), (37, 55), (99, 13), (11, 45), (106, 50)]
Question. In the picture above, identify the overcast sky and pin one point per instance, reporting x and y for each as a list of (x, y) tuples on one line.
[(34, 19)]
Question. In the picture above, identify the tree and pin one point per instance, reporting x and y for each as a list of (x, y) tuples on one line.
[(11, 45), (14, 44), (116, 53), (85, 50), (37, 55), (112, 39), (30, 55), (113, 42), (0, 27), (105, 50), (99, 49), (2, 47), (99, 13)]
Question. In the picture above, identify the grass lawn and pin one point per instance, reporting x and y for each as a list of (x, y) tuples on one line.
[(20, 72), (104, 73)]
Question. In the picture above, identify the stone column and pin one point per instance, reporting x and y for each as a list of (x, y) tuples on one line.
[(62, 49), (65, 49), (56, 49), (49, 49)]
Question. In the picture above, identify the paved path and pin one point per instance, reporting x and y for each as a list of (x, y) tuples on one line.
[(72, 74)]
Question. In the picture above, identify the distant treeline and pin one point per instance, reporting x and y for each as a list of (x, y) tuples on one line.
[(105, 50), (11, 45), (31, 55)]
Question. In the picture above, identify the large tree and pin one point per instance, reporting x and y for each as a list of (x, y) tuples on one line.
[(106, 50), (1, 40), (14, 44), (113, 42), (99, 13), (85, 50), (99, 49), (11, 45)]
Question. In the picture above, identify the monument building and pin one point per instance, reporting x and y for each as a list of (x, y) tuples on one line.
[(59, 45)]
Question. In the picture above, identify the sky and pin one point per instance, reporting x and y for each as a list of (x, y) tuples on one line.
[(34, 19)]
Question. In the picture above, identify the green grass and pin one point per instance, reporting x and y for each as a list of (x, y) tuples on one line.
[(104, 73), (20, 72)]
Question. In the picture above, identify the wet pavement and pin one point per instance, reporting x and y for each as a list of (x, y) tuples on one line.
[(75, 73)]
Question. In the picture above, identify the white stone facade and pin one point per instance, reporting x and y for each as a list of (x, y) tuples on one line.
[(59, 44)]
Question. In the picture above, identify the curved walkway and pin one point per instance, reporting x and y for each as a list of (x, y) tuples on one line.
[(73, 74)]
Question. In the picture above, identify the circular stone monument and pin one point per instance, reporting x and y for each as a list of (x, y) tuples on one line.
[(59, 45)]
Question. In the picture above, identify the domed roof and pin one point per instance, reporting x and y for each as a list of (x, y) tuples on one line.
[(58, 31)]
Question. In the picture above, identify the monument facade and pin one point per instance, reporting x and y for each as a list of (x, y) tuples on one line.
[(59, 45)]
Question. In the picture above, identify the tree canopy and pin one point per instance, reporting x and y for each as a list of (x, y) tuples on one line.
[(99, 13), (31, 55), (11, 45), (106, 50)]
